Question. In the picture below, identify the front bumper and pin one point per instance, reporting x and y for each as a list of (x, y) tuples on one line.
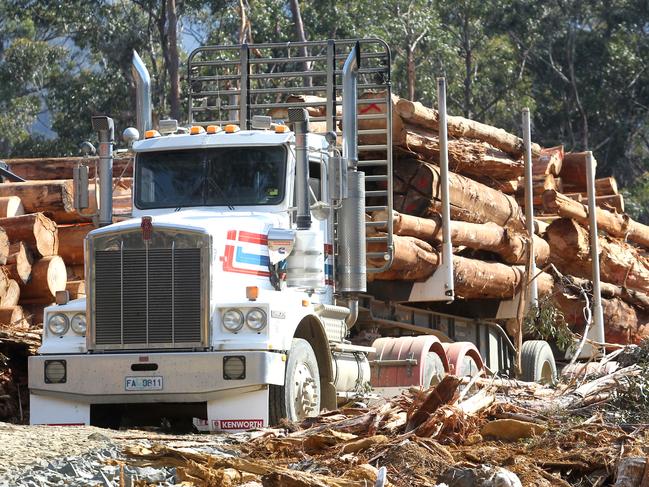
[(186, 376)]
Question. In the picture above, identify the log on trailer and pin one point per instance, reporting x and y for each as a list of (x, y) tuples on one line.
[(71, 239), (620, 263), (415, 259), (613, 203), (623, 324), (418, 192), (621, 226), (467, 157), (608, 290), (19, 262), (62, 167), (418, 114), (36, 230), (13, 316), (48, 276), (4, 246), (45, 196), (603, 187), (510, 246), (11, 295)]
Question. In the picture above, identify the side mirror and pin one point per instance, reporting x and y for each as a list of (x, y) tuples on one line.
[(80, 182)]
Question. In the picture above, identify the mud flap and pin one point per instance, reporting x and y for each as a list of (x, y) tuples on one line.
[(238, 412), (52, 410)]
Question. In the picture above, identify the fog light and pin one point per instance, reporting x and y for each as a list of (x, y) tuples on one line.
[(55, 372), (234, 367)]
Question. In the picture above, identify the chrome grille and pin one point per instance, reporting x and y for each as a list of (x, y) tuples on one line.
[(148, 295)]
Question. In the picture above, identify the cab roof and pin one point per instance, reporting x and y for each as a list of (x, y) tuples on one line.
[(204, 140)]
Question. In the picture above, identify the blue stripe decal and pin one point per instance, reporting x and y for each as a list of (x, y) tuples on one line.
[(253, 259), (329, 270)]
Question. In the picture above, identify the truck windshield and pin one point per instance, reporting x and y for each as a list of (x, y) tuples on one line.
[(224, 176)]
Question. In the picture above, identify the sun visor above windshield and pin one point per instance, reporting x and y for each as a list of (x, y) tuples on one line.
[(186, 141)]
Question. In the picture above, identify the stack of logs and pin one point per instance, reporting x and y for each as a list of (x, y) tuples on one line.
[(41, 252), (488, 229)]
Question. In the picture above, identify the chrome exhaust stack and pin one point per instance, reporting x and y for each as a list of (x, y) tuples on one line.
[(351, 266), (106, 129), (142, 94)]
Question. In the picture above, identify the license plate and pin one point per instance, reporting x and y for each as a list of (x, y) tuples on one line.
[(143, 383)]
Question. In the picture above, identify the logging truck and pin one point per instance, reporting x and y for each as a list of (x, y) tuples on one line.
[(239, 292)]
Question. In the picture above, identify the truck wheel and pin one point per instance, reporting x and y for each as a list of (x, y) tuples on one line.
[(537, 362), (434, 370), (299, 397)]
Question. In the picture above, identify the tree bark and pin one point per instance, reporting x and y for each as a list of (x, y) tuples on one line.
[(603, 187), (470, 158), (300, 34), (415, 259), (630, 296), (417, 190), (36, 230), (573, 169), (549, 161), (61, 167), (621, 226), (52, 195), (623, 325), (510, 246), (620, 263), (76, 289), (418, 114), (172, 66), (11, 206), (48, 276), (613, 203), (72, 238)]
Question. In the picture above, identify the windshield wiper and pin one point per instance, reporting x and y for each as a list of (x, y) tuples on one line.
[(211, 181)]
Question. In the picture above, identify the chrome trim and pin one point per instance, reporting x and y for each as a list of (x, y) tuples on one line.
[(205, 283)]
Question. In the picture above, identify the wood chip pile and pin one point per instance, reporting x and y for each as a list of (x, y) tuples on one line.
[(489, 432)]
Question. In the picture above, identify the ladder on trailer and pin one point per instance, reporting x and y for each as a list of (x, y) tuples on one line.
[(231, 84)]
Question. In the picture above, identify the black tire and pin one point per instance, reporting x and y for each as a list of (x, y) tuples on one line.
[(301, 386), (434, 370), (537, 362)]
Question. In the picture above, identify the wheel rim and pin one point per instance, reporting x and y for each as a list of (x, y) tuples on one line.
[(469, 367), (436, 363), (307, 392)]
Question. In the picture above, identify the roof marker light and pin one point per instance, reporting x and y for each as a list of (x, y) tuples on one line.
[(213, 129), (231, 128), (196, 130), (150, 134), (281, 129)]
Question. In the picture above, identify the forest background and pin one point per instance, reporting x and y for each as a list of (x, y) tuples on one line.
[(579, 65)]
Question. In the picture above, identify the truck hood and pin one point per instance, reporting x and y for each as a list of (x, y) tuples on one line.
[(216, 223)]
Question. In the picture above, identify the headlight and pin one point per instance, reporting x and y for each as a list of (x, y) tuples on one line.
[(256, 319), (233, 320), (78, 324), (58, 324)]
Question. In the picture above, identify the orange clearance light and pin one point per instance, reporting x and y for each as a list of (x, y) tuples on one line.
[(196, 130), (231, 128), (281, 129), (252, 293), (305, 303), (213, 129), (150, 134)]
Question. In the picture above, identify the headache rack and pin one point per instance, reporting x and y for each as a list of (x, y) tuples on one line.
[(231, 84)]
